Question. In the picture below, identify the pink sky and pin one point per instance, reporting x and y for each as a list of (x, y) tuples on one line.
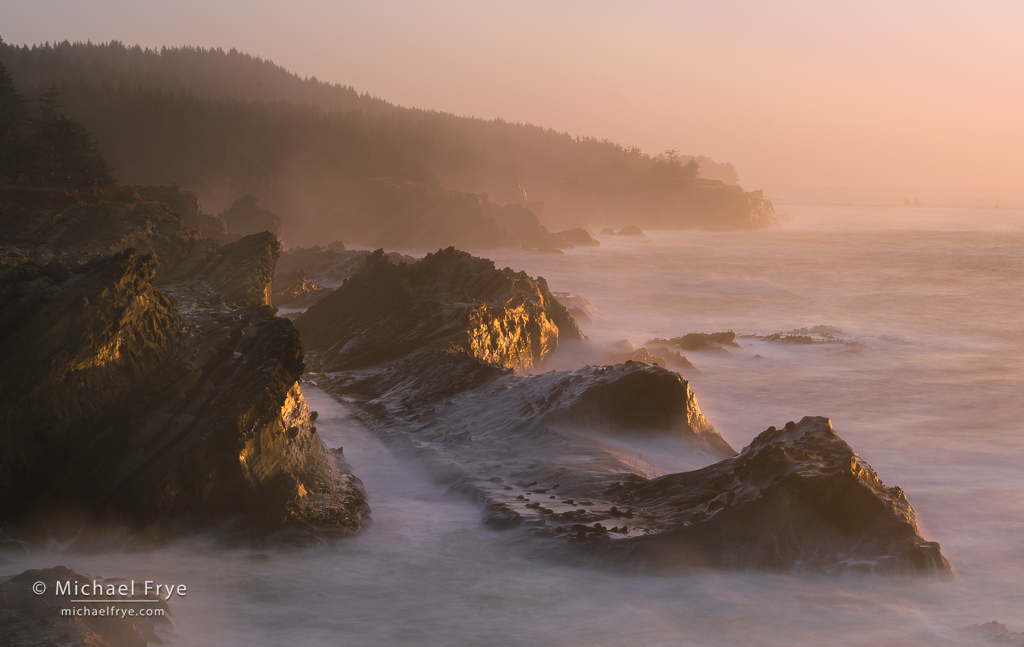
[(794, 93)]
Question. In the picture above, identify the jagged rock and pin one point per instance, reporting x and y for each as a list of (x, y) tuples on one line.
[(186, 205), (448, 301), (161, 395), (403, 345), (246, 217), (30, 619), (718, 341), (68, 226), (327, 267), (239, 275), (796, 497)]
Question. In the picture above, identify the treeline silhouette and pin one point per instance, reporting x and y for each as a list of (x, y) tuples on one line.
[(44, 147), (206, 118)]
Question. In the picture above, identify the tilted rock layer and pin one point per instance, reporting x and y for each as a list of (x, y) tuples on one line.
[(163, 395)]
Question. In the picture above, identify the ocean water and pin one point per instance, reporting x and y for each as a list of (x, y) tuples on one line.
[(924, 377)]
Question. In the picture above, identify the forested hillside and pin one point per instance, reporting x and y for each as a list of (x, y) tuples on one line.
[(227, 124)]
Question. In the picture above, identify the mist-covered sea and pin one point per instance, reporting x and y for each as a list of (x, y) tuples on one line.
[(921, 371)]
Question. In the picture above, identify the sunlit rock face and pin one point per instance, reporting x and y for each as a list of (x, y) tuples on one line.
[(616, 463), (164, 396), (449, 301)]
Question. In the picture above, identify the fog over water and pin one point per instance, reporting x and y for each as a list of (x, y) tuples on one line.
[(924, 380)]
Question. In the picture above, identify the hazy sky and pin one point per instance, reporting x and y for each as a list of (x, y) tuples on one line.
[(854, 93)]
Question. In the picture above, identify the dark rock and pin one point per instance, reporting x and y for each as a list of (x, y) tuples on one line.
[(719, 341), (322, 269), (608, 231), (631, 231), (807, 335), (71, 227), (30, 619), (795, 498)]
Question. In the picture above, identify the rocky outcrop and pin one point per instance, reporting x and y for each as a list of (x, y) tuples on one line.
[(449, 301), (427, 353), (31, 618), (70, 227), (795, 497), (186, 205), (327, 267), (159, 394), (717, 341), (246, 217)]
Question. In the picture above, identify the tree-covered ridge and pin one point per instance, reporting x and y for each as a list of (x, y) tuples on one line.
[(45, 147), (267, 123)]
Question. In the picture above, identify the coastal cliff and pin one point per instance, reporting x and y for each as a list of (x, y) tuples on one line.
[(643, 201), (153, 390)]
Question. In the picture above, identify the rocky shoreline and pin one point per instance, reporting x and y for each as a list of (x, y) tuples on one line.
[(150, 391), (428, 354)]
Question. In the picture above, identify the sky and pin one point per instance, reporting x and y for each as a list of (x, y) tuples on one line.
[(795, 93)]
